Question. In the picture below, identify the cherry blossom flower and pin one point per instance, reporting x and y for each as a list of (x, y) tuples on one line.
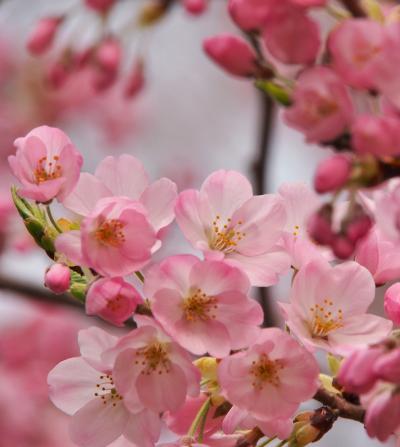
[(271, 378), (328, 307), (84, 388), (151, 371), (322, 108), (353, 46), (203, 305), (113, 299), (115, 239), (46, 163), (124, 176), (225, 221)]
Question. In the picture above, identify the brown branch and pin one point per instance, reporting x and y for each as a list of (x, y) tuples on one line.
[(345, 409), (354, 7)]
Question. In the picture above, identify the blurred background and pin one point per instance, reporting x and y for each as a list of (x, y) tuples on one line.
[(188, 120)]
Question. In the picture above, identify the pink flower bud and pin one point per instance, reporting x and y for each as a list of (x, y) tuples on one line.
[(358, 228), (392, 303), (231, 53), (100, 5), (342, 247), (250, 15), (195, 7), (108, 55), (136, 80), (112, 299), (42, 37), (319, 226), (332, 173), (57, 278), (388, 366)]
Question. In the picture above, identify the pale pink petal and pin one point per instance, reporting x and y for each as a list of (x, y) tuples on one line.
[(123, 175), (159, 200), (69, 244), (143, 429), (92, 343)]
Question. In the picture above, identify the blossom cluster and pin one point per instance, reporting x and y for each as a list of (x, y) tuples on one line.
[(340, 89), (198, 360)]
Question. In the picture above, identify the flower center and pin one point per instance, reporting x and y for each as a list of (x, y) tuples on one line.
[(225, 237), (110, 233), (47, 170), (114, 304), (199, 306), (265, 371), (365, 54), (154, 359), (106, 390), (323, 320)]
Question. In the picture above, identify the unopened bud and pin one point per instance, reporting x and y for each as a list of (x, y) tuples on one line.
[(42, 37), (232, 53), (319, 226), (108, 55), (57, 278), (101, 6), (195, 7), (392, 303), (342, 247), (332, 173)]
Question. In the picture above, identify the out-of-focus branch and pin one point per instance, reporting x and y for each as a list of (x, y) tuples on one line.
[(354, 7), (345, 409), (260, 180)]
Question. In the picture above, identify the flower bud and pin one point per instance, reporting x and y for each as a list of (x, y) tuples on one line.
[(358, 227), (342, 246), (332, 173), (108, 55), (57, 278), (42, 37), (232, 53), (249, 15), (100, 5), (195, 7), (392, 303), (319, 226)]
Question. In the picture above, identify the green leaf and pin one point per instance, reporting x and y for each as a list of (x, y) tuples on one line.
[(79, 285)]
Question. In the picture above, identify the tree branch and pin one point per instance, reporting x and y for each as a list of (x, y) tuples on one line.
[(354, 7), (345, 409)]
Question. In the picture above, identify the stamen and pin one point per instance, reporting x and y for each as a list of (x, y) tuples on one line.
[(199, 306), (47, 170), (154, 359), (323, 320), (225, 236), (110, 232), (266, 371), (106, 391)]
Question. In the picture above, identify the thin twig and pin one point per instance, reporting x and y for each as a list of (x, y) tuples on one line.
[(345, 409), (354, 7)]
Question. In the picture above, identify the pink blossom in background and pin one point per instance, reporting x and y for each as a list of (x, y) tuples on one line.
[(332, 173), (100, 5), (225, 221), (377, 135), (291, 36), (46, 163), (322, 108), (353, 46), (43, 35), (152, 371), (380, 256), (125, 176), (386, 209), (87, 391), (232, 53), (392, 303), (113, 299), (250, 15), (203, 305), (271, 379), (328, 307), (115, 239)]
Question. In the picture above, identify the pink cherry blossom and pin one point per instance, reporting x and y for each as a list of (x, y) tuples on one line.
[(300, 203), (113, 299), (272, 378), (392, 303), (290, 35), (380, 256), (46, 163), (232, 53), (353, 46), (322, 108), (203, 305), (376, 135), (225, 221), (125, 176), (151, 371), (84, 388), (250, 15), (328, 307), (115, 239)]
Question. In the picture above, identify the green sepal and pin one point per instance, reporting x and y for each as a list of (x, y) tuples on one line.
[(277, 92), (78, 287)]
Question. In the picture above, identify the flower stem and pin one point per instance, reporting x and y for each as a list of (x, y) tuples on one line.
[(263, 444), (282, 443), (52, 220), (200, 420)]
